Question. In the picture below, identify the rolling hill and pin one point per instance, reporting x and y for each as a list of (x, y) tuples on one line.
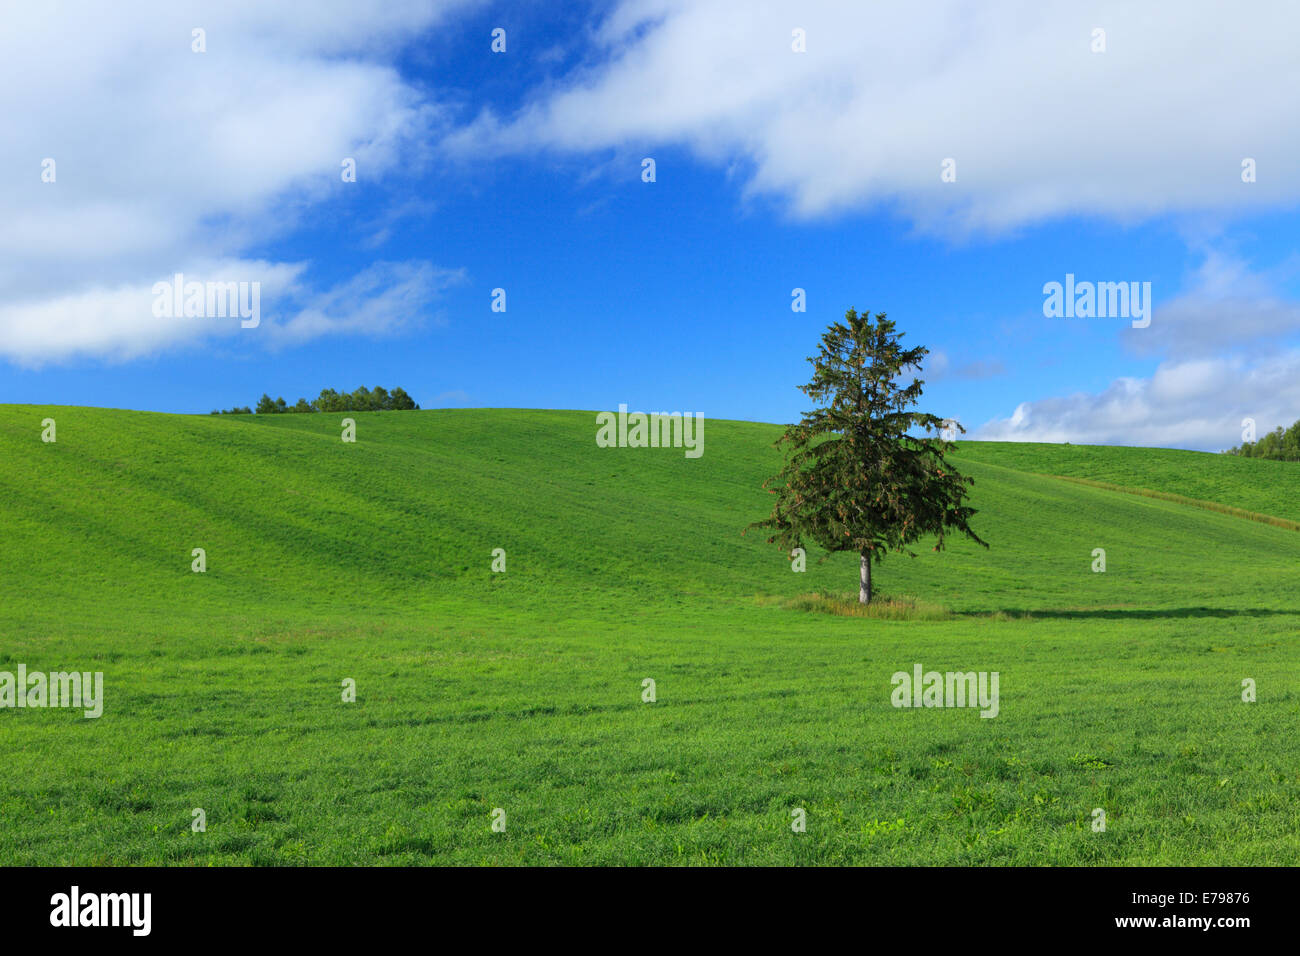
[(371, 561)]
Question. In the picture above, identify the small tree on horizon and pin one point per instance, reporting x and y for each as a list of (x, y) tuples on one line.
[(363, 399), (856, 478)]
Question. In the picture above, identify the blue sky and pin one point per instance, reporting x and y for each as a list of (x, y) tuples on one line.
[(775, 169)]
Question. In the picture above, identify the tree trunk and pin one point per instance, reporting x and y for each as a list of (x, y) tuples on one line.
[(864, 587)]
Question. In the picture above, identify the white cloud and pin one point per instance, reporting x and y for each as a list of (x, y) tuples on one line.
[(385, 298), (170, 161), (1228, 307), (1038, 124), (1227, 352), (1226, 349), (118, 324), (1197, 403), (940, 367)]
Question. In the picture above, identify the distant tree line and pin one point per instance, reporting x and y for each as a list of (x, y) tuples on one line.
[(1279, 445), (377, 399)]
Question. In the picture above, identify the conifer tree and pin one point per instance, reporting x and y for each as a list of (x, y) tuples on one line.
[(862, 472)]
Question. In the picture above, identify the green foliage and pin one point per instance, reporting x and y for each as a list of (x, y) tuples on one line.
[(1277, 445), (400, 401), (857, 476), (265, 406), (363, 399)]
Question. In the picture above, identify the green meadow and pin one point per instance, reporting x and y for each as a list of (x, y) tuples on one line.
[(371, 562)]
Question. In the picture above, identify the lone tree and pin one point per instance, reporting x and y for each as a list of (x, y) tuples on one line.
[(857, 476)]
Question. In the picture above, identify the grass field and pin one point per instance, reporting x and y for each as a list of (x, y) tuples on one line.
[(371, 561), (1250, 485)]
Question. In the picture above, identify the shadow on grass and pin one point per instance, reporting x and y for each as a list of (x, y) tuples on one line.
[(1129, 614), (907, 608)]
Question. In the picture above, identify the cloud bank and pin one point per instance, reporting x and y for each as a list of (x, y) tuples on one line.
[(1037, 123)]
